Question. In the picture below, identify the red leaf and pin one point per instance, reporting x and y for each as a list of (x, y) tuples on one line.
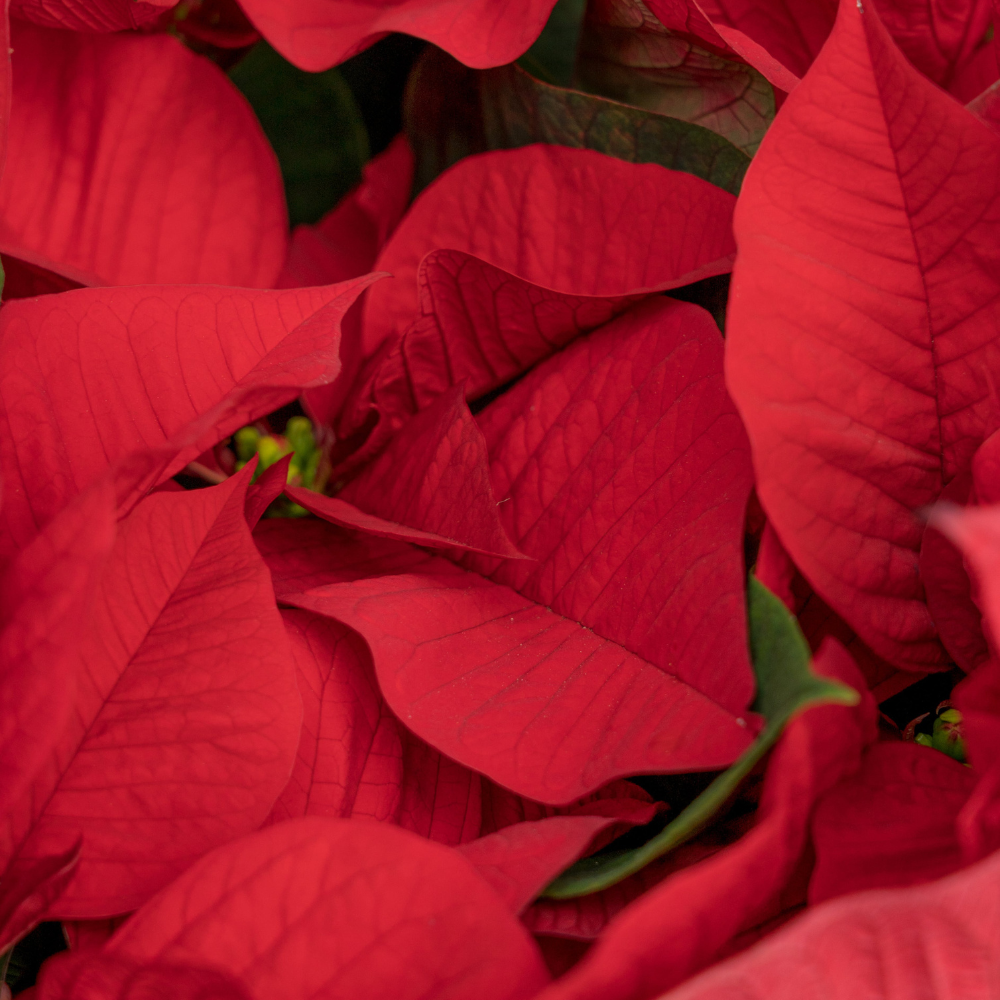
[(317, 34), (859, 342), (306, 554), (477, 324), (31, 890), (90, 15), (536, 702), (570, 220), (978, 699), (520, 860), (269, 486), (330, 909), (89, 377), (165, 175), (187, 714), (355, 759), (890, 825), (937, 37), (434, 477), (90, 976), (46, 596), (345, 244), (936, 942), (627, 472), (679, 926), (948, 589)]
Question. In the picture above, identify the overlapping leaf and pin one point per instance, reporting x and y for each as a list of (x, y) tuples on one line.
[(679, 926), (861, 323), (164, 176), (892, 824), (430, 486), (317, 34), (332, 909), (554, 216), (451, 111), (355, 759), (88, 377), (646, 65), (186, 716), (620, 463), (91, 976), (936, 941)]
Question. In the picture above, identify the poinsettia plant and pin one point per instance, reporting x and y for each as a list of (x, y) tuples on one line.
[(509, 511)]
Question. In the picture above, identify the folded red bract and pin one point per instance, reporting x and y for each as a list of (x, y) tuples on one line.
[(864, 304)]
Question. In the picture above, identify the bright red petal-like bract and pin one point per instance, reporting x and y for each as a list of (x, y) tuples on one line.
[(937, 36), (45, 600), (90, 376), (625, 474), (317, 34), (538, 703), (134, 161), (187, 713), (553, 216), (936, 942), (30, 890), (679, 926), (97, 976), (355, 759), (318, 909), (864, 306), (90, 15), (433, 477), (890, 825), (569, 220), (306, 554)]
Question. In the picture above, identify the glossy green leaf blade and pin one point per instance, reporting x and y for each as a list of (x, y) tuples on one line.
[(313, 125), (786, 685), (453, 112)]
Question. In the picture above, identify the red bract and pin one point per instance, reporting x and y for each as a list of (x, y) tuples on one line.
[(864, 304), (430, 486), (89, 377), (90, 15), (678, 927), (623, 472), (936, 941), (511, 255), (330, 909), (355, 759), (91, 976), (893, 824), (186, 716), (163, 176), (317, 34)]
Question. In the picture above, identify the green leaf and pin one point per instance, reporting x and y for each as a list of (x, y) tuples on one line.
[(452, 111), (786, 685), (313, 125), (643, 64), (553, 56)]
